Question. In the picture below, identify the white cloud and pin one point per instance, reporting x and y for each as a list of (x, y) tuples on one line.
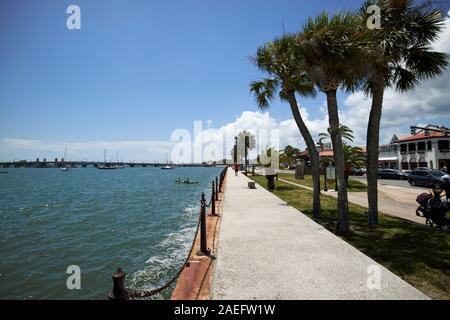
[(266, 129)]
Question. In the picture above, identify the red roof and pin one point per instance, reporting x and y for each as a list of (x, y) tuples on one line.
[(421, 135), (326, 153)]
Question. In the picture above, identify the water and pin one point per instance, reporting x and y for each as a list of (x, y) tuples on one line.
[(134, 218)]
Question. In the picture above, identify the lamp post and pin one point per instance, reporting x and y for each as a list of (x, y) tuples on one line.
[(246, 144), (235, 149), (335, 178)]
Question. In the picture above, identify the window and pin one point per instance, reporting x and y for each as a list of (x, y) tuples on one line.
[(423, 164), (428, 145), (403, 147), (411, 146), (413, 165), (404, 165), (443, 145), (437, 174), (421, 146)]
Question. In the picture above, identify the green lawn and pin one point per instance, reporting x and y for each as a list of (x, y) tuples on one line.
[(355, 186), (421, 256)]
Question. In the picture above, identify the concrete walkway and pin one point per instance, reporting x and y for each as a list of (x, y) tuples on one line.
[(269, 250)]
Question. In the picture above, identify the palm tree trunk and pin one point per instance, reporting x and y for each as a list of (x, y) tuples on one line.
[(373, 139), (338, 152), (314, 156)]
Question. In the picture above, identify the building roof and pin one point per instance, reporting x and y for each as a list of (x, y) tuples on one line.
[(421, 136), (326, 153), (303, 153)]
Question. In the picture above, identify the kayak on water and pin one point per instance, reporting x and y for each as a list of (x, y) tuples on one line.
[(187, 181)]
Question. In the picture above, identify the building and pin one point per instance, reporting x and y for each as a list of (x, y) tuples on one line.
[(428, 147)]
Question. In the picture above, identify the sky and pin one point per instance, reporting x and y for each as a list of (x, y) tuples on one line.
[(138, 70)]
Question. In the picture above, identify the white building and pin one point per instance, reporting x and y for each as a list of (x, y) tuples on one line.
[(422, 149)]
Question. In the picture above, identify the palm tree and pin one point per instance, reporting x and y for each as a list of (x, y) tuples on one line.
[(335, 49), (346, 134), (285, 65), (289, 155), (354, 158), (246, 141), (404, 59)]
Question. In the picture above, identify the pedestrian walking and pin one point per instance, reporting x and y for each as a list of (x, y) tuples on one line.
[(236, 169)]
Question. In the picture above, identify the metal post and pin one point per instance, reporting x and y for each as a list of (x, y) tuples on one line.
[(235, 149), (246, 143), (213, 201), (325, 188), (119, 292), (216, 193), (335, 179), (203, 244)]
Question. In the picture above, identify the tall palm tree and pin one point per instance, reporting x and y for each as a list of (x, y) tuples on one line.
[(354, 158), (285, 66), (346, 134), (335, 49), (404, 59), (244, 145)]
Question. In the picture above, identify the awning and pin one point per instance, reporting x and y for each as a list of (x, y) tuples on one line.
[(388, 159)]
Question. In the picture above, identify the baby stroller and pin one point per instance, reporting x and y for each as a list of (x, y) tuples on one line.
[(433, 209)]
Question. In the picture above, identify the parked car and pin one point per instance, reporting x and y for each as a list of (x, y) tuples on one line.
[(426, 178), (356, 172), (392, 174)]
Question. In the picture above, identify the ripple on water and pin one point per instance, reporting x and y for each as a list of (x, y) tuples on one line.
[(137, 219)]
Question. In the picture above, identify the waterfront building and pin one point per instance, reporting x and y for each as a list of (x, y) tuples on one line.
[(425, 148)]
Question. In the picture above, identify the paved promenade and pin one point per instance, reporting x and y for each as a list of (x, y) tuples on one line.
[(269, 250)]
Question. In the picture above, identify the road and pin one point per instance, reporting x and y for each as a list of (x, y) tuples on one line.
[(389, 182)]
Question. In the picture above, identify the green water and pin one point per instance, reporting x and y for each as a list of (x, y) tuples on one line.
[(134, 218)]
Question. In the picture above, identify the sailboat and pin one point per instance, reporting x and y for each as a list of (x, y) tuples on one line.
[(167, 167), (106, 166), (65, 167), (118, 166)]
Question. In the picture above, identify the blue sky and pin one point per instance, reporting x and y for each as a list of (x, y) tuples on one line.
[(137, 69)]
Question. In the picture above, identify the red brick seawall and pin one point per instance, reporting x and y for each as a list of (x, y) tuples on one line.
[(194, 282)]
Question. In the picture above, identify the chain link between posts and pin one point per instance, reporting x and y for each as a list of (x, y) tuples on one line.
[(149, 293)]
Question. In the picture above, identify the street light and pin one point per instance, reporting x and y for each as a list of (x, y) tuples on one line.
[(235, 149), (245, 150)]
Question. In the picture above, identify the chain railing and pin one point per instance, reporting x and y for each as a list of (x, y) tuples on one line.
[(120, 292)]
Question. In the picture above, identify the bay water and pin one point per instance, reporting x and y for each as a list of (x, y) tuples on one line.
[(138, 219)]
